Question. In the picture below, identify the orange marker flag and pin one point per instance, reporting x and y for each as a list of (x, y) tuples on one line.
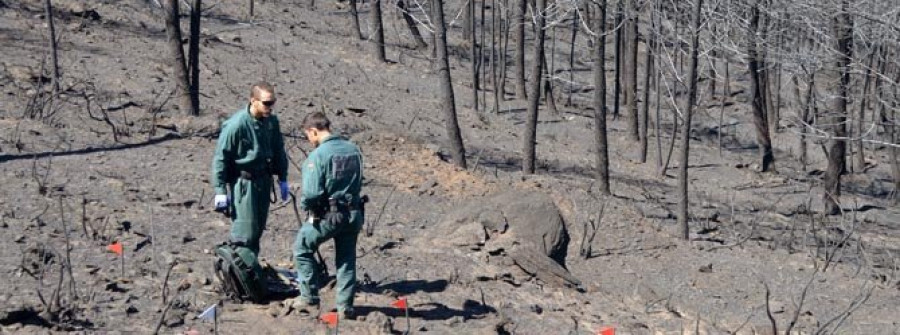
[(115, 247), (331, 319), (607, 331), (400, 303)]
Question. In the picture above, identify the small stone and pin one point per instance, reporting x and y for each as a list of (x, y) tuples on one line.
[(131, 310), (19, 239), (188, 238), (536, 309), (706, 268)]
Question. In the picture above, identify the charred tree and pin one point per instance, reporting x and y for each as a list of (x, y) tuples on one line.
[(457, 150), (629, 69), (379, 31), (758, 94), (843, 36), (495, 79), (645, 110), (600, 99), (48, 8), (548, 88), (504, 41), (177, 61), (354, 13), (469, 20), (617, 82), (518, 26), (474, 53), (861, 117), (194, 56), (575, 19), (686, 134), (528, 163)]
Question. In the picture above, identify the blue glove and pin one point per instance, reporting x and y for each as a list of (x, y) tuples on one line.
[(283, 186)]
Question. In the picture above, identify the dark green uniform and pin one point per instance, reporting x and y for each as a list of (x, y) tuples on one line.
[(248, 153), (332, 171)]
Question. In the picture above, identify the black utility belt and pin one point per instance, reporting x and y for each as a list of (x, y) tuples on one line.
[(252, 175)]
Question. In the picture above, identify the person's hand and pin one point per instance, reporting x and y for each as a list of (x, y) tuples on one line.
[(283, 186), (221, 202)]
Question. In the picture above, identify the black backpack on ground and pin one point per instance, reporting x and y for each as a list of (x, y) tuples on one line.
[(240, 274)]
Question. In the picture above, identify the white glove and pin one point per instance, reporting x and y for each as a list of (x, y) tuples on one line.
[(220, 201)]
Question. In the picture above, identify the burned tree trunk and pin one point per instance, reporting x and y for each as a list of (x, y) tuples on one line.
[(860, 121), (645, 110), (354, 12), (600, 99), (575, 19), (805, 104), (457, 149), (411, 24), (495, 79), (504, 41), (528, 163), (629, 70), (518, 25), (617, 82), (686, 134), (474, 53), (48, 8), (194, 57), (548, 88), (758, 94), (469, 20), (179, 68), (379, 30), (843, 33)]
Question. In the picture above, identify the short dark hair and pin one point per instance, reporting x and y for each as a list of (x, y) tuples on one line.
[(316, 120), (259, 87)]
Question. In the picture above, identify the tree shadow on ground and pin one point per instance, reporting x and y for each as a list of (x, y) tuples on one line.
[(432, 311), (91, 150), (406, 287)]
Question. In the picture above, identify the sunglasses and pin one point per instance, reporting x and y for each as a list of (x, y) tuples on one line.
[(268, 103)]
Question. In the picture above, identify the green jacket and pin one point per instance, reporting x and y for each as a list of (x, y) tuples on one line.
[(333, 170), (248, 144)]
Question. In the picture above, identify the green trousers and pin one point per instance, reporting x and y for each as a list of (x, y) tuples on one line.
[(249, 211), (310, 236)]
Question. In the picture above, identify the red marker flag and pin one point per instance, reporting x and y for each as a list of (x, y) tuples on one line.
[(331, 319), (607, 331), (400, 303), (115, 247)]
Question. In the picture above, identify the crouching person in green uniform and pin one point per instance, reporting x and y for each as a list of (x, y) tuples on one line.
[(332, 180), (249, 152)]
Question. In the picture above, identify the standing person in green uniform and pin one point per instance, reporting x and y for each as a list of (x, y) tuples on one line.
[(332, 180), (250, 150)]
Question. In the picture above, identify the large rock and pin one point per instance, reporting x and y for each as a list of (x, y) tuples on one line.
[(524, 226)]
